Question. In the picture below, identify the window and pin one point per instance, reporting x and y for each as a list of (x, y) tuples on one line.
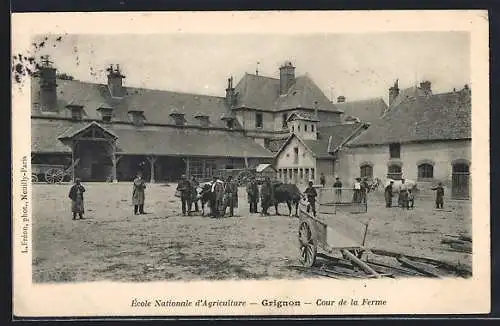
[(293, 129), (230, 123), (298, 128), (258, 120), (296, 155), (312, 128), (284, 123), (425, 171), (137, 118), (305, 128), (394, 172), (312, 175), (366, 171), (106, 117), (395, 150), (76, 113)]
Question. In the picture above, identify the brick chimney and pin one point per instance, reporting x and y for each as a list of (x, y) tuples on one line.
[(115, 81), (230, 98), (393, 92), (341, 99), (287, 77), (48, 86), (425, 86)]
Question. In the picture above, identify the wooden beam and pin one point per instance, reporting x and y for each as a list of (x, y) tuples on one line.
[(355, 260), (152, 160), (422, 268), (73, 161)]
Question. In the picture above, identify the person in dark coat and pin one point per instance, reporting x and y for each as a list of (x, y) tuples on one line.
[(138, 194), (322, 179), (76, 196), (356, 197), (364, 190), (403, 195), (266, 196), (338, 189), (216, 197), (184, 187), (253, 195), (311, 195), (194, 194), (388, 194), (230, 196), (439, 195)]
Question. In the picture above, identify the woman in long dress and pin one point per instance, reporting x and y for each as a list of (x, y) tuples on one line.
[(76, 196), (138, 194)]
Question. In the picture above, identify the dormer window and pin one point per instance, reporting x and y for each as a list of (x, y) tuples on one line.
[(178, 118), (76, 112), (230, 123), (137, 117), (106, 113), (203, 119)]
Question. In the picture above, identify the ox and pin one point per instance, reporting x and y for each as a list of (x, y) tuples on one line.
[(286, 193)]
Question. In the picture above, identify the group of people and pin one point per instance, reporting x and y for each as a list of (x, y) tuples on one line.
[(406, 195)]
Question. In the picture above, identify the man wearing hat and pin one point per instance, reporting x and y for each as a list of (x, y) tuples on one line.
[(388, 194), (338, 189), (76, 196), (439, 195), (230, 195), (184, 187), (253, 194), (311, 195), (138, 194), (356, 197), (266, 194)]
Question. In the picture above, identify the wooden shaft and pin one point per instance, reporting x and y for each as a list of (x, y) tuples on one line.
[(361, 264)]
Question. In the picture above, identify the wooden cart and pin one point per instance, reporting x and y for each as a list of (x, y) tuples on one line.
[(51, 173), (338, 228)]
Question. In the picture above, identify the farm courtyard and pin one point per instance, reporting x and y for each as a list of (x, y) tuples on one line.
[(112, 243)]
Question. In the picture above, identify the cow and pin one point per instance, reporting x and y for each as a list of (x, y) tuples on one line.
[(286, 193), (205, 195)]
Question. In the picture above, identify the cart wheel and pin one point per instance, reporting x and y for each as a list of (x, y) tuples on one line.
[(34, 178), (308, 248), (54, 175)]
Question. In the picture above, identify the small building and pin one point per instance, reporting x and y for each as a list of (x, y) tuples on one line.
[(305, 153), (422, 136), (265, 170)]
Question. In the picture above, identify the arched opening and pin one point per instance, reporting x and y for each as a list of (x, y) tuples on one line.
[(425, 171), (366, 171), (394, 172), (460, 180)]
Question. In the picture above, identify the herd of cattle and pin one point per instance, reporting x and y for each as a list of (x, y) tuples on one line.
[(282, 193)]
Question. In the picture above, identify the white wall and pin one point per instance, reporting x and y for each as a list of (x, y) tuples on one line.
[(285, 160)]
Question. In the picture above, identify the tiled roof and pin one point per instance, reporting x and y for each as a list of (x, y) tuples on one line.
[(329, 139), (309, 116), (366, 110), (274, 145), (260, 92), (156, 104), (444, 116), (46, 134)]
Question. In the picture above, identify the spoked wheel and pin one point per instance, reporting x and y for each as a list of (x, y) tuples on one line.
[(34, 178), (308, 248), (54, 175)]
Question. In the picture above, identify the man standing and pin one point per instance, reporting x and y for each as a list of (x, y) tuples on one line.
[(322, 179), (338, 189), (364, 190), (403, 194), (76, 196), (356, 198), (184, 187), (138, 194), (216, 196), (388, 194), (253, 195), (265, 196), (194, 194), (311, 195), (439, 195), (230, 196)]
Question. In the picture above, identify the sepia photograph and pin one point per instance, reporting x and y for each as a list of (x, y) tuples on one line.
[(206, 156)]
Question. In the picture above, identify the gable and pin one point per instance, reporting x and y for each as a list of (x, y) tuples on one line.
[(286, 156)]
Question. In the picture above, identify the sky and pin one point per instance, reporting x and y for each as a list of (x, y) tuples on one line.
[(357, 66)]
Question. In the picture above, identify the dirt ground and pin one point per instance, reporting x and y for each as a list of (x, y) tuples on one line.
[(112, 243)]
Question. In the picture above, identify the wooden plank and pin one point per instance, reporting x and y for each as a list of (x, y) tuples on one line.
[(426, 269), (451, 241), (460, 268), (466, 248), (396, 268), (355, 260)]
